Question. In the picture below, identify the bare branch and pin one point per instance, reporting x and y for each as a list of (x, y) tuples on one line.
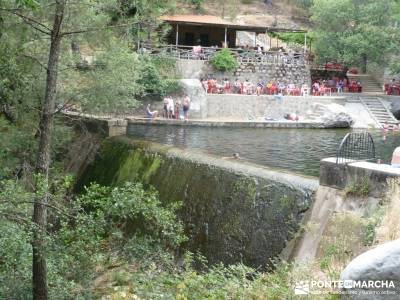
[(32, 22), (14, 218), (97, 28), (35, 60), (59, 210)]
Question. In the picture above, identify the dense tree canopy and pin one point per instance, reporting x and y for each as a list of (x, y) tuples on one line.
[(56, 54), (356, 32), (59, 53)]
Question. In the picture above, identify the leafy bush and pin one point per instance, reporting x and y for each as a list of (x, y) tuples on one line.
[(224, 60), (305, 4), (105, 223), (133, 210), (360, 188), (157, 76), (197, 3), (290, 37)]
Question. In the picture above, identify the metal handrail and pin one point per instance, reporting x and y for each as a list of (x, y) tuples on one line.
[(356, 146), (242, 55)]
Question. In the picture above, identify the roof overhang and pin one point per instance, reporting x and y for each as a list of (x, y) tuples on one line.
[(213, 21)]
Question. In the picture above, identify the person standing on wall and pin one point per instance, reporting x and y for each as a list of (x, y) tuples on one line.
[(170, 108), (186, 107)]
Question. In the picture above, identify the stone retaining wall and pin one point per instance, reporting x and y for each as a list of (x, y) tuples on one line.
[(340, 176), (244, 107), (290, 72), (95, 124), (233, 211), (132, 122), (284, 72)]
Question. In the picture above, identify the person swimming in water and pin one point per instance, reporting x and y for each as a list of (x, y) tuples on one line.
[(234, 156)]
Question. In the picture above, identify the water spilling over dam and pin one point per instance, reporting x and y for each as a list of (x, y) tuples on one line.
[(233, 211)]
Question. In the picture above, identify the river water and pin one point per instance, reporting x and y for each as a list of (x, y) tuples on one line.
[(298, 150)]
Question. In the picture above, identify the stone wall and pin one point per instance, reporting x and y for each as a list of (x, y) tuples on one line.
[(244, 107), (339, 176), (233, 211), (192, 69), (294, 72), (283, 72), (105, 127)]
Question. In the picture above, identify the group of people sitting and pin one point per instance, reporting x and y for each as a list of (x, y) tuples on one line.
[(322, 87), (246, 87), (178, 110), (392, 88)]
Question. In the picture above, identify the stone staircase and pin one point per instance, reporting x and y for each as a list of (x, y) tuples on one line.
[(378, 111), (369, 84)]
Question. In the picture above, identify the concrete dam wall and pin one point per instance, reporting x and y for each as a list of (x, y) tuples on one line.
[(232, 211)]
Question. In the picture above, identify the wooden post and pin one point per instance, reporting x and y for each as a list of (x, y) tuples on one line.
[(226, 37), (270, 42), (177, 35), (305, 42), (138, 37)]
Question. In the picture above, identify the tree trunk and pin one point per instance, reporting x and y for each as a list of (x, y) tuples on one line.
[(39, 269), (6, 111), (364, 63)]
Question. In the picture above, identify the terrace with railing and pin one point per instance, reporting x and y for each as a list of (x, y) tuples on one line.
[(242, 55)]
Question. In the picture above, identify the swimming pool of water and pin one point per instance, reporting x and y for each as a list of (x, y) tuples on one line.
[(298, 150)]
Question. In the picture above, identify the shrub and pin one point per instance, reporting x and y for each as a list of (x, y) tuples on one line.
[(290, 37), (158, 77), (360, 188), (224, 60), (197, 3)]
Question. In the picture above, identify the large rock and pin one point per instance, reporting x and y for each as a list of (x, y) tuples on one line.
[(333, 115), (396, 109), (198, 97), (379, 265)]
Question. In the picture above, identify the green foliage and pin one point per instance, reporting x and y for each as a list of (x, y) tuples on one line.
[(147, 26), (353, 32), (395, 67), (83, 233), (113, 86), (290, 37), (218, 282), (224, 60), (369, 233), (135, 211), (158, 76), (125, 236), (305, 4), (359, 188), (17, 154), (17, 147), (197, 3), (27, 3), (326, 261), (15, 262)]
